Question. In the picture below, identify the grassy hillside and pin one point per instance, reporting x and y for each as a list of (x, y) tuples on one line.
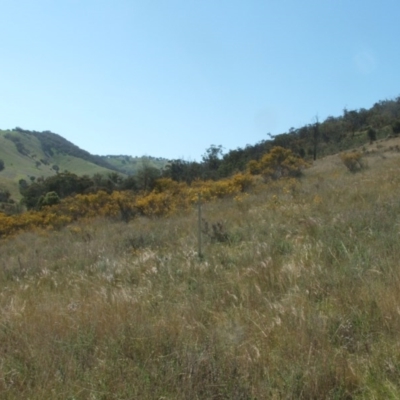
[(29, 154), (25, 156), (296, 297)]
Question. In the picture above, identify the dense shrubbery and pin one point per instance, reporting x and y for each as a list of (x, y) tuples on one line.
[(279, 162), (166, 198), (396, 127), (64, 184), (68, 184), (65, 197)]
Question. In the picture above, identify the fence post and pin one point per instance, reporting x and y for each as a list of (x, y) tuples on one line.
[(199, 226)]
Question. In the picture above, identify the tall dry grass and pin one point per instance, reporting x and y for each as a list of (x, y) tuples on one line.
[(299, 301)]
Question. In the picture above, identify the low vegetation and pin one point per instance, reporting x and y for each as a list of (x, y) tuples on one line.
[(64, 198), (296, 295), (167, 198)]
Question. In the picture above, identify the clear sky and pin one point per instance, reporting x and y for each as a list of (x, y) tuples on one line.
[(168, 78)]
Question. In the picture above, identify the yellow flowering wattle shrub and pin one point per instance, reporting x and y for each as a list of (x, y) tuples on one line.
[(277, 163), (167, 198)]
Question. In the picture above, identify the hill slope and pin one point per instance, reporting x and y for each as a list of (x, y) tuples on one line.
[(298, 299), (28, 155)]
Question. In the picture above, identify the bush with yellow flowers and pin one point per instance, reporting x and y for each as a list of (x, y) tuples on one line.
[(278, 163), (166, 198)]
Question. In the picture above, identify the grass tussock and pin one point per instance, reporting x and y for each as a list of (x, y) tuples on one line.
[(299, 301)]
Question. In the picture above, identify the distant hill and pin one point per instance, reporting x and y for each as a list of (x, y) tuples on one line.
[(29, 155), (52, 142)]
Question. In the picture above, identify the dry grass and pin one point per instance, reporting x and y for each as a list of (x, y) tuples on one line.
[(301, 302)]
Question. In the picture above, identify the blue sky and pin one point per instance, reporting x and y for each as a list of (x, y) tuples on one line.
[(168, 78)]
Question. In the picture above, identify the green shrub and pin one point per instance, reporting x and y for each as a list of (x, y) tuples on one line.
[(371, 135), (396, 127), (49, 199)]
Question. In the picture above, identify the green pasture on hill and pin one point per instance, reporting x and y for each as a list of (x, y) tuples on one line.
[(34, 162)]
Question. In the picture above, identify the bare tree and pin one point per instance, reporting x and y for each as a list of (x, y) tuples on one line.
[(315, 137)]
